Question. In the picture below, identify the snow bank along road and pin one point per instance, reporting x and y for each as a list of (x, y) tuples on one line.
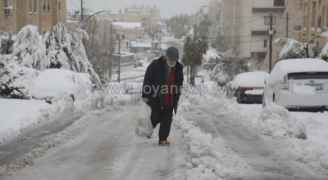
[(213, 139)]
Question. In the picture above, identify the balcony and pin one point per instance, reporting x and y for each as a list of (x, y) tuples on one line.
[(259, 32), (7, 10), (279, 9)]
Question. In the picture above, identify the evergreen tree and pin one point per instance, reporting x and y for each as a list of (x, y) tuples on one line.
[(194, 49)]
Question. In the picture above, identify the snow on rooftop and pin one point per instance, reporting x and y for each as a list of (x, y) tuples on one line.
[(128, 25), (250, 79), (139, 44)]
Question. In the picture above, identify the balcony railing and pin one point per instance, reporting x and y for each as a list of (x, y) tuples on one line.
[(279, 9), (7, 10), (259, 32)]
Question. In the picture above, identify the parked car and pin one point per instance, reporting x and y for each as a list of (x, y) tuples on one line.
[(249, 87), (298, 84)]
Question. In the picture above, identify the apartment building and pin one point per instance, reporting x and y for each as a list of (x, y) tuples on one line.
[(15, 14), (314, 19), (245, 30)]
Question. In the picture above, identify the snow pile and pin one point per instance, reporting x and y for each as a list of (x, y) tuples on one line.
[(59, 83), (250, 79), (210, 158), (276, 121), (291, 49), (315, 149), (17, 114), (54, 83)]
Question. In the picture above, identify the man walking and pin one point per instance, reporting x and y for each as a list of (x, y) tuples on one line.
[(162, 89)]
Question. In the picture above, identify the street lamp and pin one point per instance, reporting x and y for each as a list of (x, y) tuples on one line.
[(270, 21), (119, 37)]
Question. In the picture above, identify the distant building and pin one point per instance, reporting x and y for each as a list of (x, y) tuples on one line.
[(150, 17), (215, 17), (308, 19), (131, 30), (15, 14), (245, 32), (145, 14)]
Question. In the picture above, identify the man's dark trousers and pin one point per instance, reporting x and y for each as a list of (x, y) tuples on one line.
[(162, 116)]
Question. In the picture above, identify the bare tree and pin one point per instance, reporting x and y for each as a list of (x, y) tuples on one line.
[(100, 46)]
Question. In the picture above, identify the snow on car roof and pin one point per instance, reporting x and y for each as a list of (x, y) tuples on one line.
[(302, 65), (284, 67), (250, 79)]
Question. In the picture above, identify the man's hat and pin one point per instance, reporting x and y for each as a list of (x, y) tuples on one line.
[(172, 53)]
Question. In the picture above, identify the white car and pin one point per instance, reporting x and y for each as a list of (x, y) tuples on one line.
[(298, 84), (248, 87)]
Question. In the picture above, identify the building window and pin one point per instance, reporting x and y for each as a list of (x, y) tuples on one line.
[(279, 2), (44, 5), (6, 3), (327, 17), (35, 6), (7, 7), (30, 5), (48, 5), (313, 15), (265, 44)]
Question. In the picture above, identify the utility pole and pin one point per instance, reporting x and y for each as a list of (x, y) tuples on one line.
[(111, 50), (120, 38), (287, 25), (82, 10), (119, 59), (269, 20)]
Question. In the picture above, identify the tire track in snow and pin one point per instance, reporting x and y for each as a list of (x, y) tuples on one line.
[(105, 148), (260, 154)]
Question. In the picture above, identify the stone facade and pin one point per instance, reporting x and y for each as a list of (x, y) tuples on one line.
[(15, 14), (307, 20), (245, 32)]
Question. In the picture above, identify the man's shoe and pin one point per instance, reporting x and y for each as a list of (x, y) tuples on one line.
[(164, 143)]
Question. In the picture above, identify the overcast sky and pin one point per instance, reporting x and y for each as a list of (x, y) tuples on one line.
[(168, 7)]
